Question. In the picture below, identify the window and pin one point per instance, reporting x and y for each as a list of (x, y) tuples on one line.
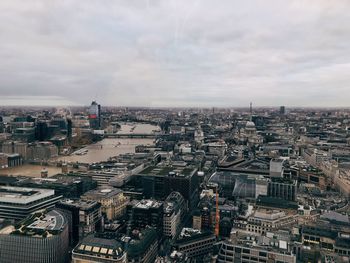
[(262, 254), (246, 251)]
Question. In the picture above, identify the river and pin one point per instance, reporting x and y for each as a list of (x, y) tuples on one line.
[(110, 147)]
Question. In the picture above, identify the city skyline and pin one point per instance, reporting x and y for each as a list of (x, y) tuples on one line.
[(175, 53)]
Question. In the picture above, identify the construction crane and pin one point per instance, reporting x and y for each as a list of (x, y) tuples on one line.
[(217, 214)]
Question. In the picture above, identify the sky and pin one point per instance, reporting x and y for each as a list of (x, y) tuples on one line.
[(175, 53)]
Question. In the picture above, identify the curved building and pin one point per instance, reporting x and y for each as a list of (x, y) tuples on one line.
[(40, 238)]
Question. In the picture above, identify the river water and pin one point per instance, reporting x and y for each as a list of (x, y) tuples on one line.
[(110, 147)]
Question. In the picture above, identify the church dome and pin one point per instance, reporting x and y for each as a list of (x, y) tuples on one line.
[(250, 124)]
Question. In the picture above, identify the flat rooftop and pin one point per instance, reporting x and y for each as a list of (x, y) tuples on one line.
[(80, 203), (146, 204), (30, 170), (166, 170), (23, 195), (40, 224), (102, 193), (53, 220)]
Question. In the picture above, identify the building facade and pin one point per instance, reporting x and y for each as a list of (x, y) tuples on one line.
[(40, 238), (17, 203)]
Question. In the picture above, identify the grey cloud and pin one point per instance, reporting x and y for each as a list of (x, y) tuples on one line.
[(176, 53)]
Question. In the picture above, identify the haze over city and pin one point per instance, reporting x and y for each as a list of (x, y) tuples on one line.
[(175, 53)]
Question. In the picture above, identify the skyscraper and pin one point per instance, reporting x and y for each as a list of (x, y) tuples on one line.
[(95, 115), (282, 110)]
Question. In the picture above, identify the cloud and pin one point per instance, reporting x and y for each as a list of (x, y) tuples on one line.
[(176, 53)]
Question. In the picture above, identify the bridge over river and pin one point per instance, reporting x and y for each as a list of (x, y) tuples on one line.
[(130, 135)]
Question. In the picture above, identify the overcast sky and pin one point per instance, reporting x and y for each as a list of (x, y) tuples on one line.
[(175, 53)]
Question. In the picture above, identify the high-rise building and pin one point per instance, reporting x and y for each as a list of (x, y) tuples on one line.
[(174, 211), (95, 115), (282, 110), (159, 182), (40, 238), (41, 130), (84, 217), (146, 213), (142, 246)]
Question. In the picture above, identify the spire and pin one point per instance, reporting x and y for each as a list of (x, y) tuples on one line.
[(251, 111)]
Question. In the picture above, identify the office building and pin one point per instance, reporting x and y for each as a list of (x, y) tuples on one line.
[(146, 213), (40, 238), (282, 110), (159, 182), (113, 201), (195, 244), (95, 116), (267, 220), (26, 134), (84, 217), (42, 130), (67, 185), (41, 151), (253, 249), (142, 246), (285, 189), (174, 211), (17, 203), (11, 147)]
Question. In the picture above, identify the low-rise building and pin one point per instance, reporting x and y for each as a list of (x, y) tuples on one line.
[(243, 247), (265, 220), (96, 249)]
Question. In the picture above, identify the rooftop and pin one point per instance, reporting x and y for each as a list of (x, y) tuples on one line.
[(102, 193), (82, 204), (168, 171), (22, 195), (98, 246), (41, 224), (147, 203)]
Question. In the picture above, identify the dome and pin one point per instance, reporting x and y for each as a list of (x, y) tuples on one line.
[(250, 124)]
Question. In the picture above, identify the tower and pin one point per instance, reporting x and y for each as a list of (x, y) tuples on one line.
[(95, 115)]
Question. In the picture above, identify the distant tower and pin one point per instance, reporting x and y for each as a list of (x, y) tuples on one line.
[(95, 115), (282, 110), (251, 111)]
